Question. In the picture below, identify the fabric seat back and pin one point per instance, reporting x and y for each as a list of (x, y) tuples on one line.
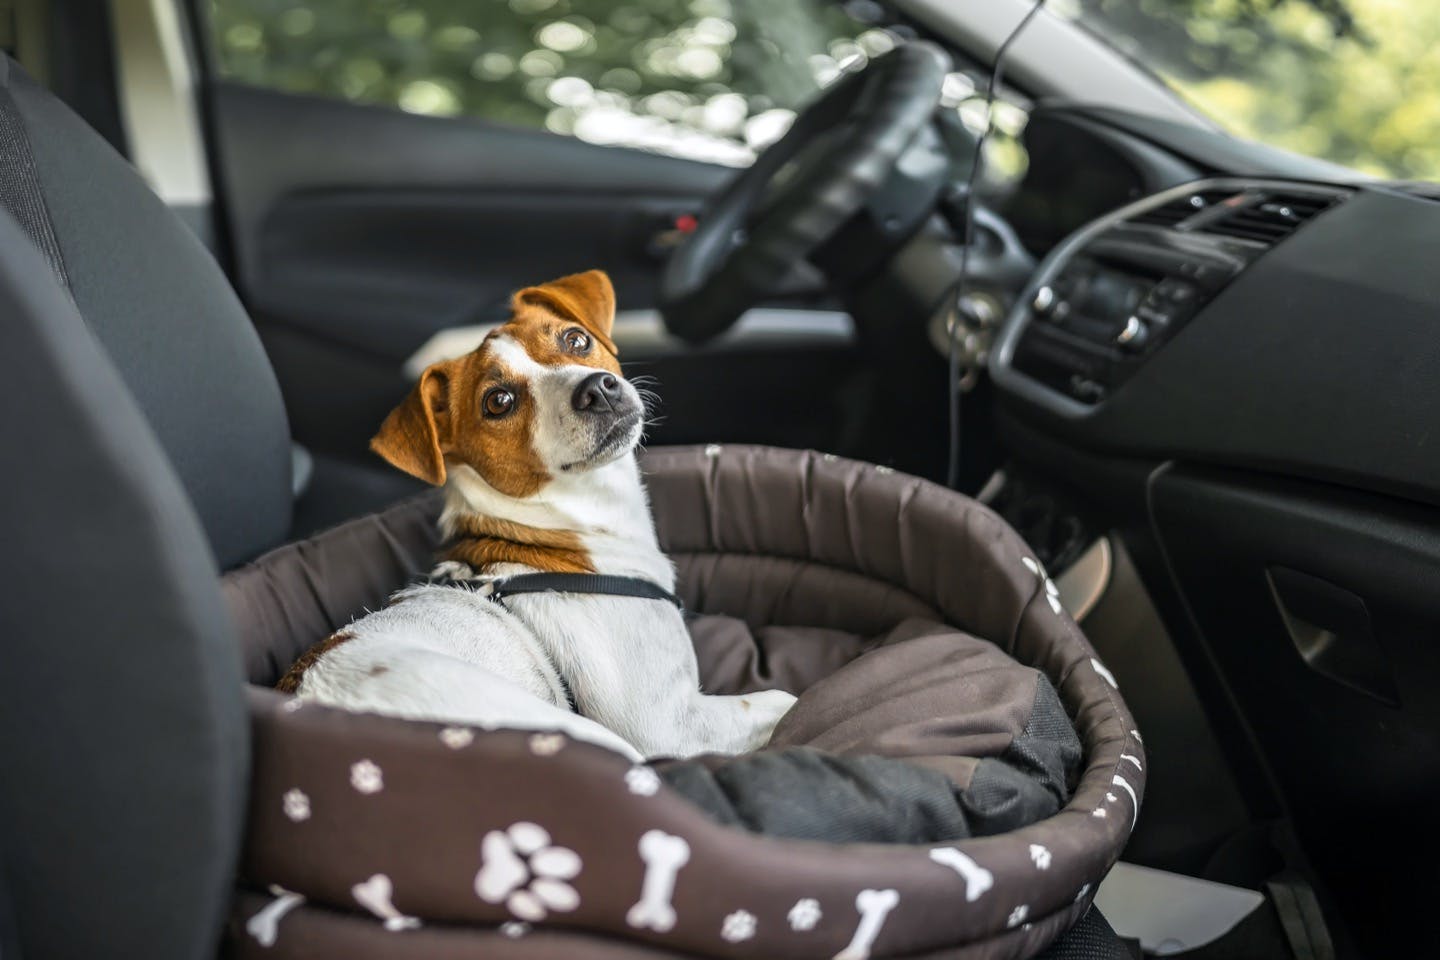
[(168, 319), (122, 737)]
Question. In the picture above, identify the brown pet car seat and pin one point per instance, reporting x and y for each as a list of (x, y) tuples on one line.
[(146, 443), (917, 628)]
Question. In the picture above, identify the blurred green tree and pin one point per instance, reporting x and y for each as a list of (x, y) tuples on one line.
[(1352, 81), (695, 77)]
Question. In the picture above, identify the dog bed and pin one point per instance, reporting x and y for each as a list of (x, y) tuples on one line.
[(936, 670)]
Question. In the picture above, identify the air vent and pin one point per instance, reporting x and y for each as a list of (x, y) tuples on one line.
[(1269, 218), (1178, 211)]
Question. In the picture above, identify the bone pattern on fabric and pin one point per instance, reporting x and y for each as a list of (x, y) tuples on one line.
[(990, 592), (874, 907), (375, 895), (664, 855), (977, 879), (264, 925)]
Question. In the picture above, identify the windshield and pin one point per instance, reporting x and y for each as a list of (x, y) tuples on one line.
[(1356, 82)]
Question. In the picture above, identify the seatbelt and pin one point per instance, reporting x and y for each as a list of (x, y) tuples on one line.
[(20, 192)]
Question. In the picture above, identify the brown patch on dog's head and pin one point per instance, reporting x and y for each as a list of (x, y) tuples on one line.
[(481, 409), (450, 417), (540, 314)]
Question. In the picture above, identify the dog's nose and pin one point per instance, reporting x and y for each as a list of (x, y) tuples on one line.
[(597, 393)]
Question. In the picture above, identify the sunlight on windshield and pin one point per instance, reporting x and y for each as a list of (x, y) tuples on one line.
[(1356, 82)]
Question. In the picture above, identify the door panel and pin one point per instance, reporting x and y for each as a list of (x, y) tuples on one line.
[(360, 232), (377, 228)]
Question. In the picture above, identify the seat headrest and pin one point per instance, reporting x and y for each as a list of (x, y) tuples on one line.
[(167, 317)]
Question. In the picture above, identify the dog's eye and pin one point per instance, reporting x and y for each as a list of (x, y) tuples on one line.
[(576, 340), (498, 402)]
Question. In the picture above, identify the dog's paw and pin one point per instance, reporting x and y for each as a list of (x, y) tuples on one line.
[(764, 710)]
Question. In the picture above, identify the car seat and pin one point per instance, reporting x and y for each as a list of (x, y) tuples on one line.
[(146, 449)]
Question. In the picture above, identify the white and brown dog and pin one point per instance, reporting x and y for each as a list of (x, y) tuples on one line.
[(533, 436)]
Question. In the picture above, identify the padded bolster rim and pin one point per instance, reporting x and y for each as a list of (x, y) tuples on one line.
[(424, 829)]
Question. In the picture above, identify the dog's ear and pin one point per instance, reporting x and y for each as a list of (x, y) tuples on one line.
[(414, 436), (587, 298)]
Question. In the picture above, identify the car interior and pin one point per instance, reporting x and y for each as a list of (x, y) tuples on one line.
[(984, 244)]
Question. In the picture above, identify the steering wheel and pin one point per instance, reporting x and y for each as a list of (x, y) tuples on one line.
[(800, 191)]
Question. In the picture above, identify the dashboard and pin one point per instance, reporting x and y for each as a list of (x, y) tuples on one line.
[(1268, 324), (1122, 287), (1231, 360)]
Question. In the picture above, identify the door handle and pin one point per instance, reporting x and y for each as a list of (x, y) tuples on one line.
[(1331, 630)]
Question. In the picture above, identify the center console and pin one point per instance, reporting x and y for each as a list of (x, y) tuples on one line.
[(1119, 289)]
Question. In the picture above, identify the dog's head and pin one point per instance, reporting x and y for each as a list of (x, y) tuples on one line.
[(543, 396)]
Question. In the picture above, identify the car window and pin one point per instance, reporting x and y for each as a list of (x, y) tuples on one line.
[(1350, 81), (712, 80)]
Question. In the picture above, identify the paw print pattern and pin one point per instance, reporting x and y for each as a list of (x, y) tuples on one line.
[(1017, 916), (738, 926), (546, 744), (457, 738), (514, 929), (521, 869), (804, 915), (296, 805), (366, 777), (642, 781), (1040, 855)]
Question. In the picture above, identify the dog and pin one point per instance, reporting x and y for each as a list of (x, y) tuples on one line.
[(533, 437)]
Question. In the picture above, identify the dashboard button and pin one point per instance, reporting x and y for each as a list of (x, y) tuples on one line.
[(1175, 291), (1156, 317), (1133, 336), (1044, 300)]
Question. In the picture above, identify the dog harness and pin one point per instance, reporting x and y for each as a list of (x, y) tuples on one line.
[(605, 585)]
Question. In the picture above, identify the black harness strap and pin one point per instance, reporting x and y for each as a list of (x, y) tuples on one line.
[(580, 583), (594, 583), (20, 191)]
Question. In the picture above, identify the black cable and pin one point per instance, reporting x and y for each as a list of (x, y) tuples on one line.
[(997, 72)]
